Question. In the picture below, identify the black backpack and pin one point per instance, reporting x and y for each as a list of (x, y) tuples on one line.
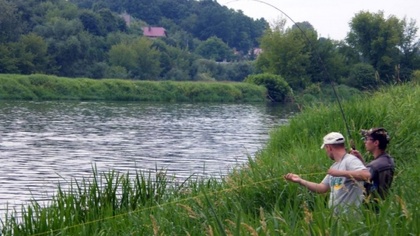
[(382, 174)]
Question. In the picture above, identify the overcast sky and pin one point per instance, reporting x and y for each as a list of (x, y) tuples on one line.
[(330, 18)]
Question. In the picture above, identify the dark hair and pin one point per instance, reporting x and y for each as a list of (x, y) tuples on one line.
[(379, 134)]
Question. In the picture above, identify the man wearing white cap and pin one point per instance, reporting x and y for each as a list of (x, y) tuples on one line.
[(344, 179)]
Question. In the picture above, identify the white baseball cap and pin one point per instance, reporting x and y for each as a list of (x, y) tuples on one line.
[(333, 138)]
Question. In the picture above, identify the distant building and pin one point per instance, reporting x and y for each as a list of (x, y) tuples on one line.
[(127, 18), (154, 32), (257, 51)]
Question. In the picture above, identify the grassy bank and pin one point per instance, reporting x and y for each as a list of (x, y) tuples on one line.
[(45, 87), (254, 199)]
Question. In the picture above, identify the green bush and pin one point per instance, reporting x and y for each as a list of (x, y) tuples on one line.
[(362, 76), (277, 87), (324, 93)]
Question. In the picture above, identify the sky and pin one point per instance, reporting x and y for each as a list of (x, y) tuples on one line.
[(330, 18)]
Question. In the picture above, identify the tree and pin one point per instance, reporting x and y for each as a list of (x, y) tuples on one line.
[(32, 54), (78, 35), (285, 53), (305, 26), (175, 62), (58, 29), (175, 10), (241, 33), (212, 21), (362, 76), (208, 70), (386, 44), (327, 64), (349, 54), (146, 10), (111, 22), (67, 54), (28, 55), (138, 57), (410, 48), (10, 25), (91, 22), (215, 49), (238, 71), (8, 63)]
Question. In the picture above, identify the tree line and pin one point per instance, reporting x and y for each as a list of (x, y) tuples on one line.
[(206, 41), (91, 39), (377, 50)]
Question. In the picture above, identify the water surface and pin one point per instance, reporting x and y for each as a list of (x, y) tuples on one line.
[(43, 143)]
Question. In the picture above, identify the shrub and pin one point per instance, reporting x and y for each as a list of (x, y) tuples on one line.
[(362, 76), (277, 87)]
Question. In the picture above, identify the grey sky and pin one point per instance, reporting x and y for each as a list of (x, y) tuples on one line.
[(329, 17)]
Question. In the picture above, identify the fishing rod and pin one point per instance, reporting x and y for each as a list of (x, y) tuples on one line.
[(324, 68)]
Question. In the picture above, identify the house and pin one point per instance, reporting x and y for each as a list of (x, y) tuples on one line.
[(256, 51), (127, 18), (154, 32)]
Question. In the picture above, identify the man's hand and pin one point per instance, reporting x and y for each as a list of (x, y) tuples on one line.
[(293, 177), (314, 187), (358, 155)]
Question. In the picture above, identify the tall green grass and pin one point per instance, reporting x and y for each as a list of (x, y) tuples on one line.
[(254, 199), (46, 87)]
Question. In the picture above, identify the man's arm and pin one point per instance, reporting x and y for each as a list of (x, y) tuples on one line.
[(352, 174), (314, 187)]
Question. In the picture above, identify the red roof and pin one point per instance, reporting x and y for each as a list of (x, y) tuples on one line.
[(154, 32)]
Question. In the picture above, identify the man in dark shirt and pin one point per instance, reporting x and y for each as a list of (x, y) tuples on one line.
[(382, 167)]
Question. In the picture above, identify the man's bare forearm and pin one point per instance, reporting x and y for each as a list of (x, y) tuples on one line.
[(314, 187)]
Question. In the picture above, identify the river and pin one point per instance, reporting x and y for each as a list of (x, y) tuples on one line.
[(46, 143)]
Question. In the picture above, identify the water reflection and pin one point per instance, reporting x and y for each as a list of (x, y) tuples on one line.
[(47, 142)]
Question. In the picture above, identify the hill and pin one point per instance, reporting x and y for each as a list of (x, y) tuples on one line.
[(84, 38)]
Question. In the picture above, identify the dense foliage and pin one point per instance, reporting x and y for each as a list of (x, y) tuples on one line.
[(386, 46), (277, 88), (362, 76), (204, 41), (86, 38)]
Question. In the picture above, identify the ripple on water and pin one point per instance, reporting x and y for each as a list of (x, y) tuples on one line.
[(46, 143)]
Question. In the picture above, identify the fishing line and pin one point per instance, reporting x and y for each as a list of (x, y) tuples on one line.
[(319, 60)]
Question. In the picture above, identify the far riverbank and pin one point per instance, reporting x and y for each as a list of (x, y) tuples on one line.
[(39, 87)]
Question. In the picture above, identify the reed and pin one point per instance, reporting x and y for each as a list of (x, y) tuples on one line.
[(46, 87), (254, 199)]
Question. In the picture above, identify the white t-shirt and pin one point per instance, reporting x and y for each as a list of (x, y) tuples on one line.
[(344, 191)]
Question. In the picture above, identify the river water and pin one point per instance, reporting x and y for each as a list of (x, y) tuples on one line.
[(46, 143)]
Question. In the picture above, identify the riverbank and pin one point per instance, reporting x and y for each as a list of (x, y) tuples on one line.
[(254, 199), (46, 87)]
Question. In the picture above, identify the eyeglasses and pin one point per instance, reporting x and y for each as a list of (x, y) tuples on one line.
[(367, 139)]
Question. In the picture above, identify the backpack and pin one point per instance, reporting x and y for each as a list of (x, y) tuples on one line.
[(382, 174)]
